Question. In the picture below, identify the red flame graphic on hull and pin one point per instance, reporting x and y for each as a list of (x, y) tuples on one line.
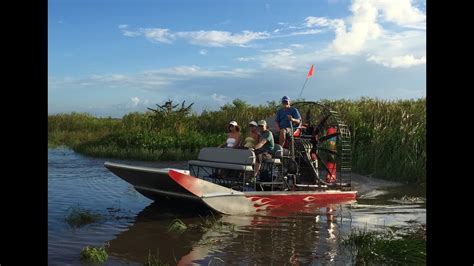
[(296, 203)]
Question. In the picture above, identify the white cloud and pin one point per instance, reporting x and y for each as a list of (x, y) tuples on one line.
[(279, 59), (402, 49), (149, 80), (195, 71), (131, 33), (124, 27), (225, 22), (317, 21), (401, 12), (296, 45), (158, 35), (363, 27), (304, 32), (109, 78), (221, 38), (203, 52), (398, 61), (364, 24), (211, 38), (220, 99), (363, 32), (324, 22), (135, 100), (245, 59)]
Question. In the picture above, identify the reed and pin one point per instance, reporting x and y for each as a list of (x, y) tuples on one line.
[(154, 260), (389, 137)]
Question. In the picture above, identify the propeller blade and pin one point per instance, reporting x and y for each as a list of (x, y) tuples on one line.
[(324, 138), (320, 124), (328, 151), (321, 162)]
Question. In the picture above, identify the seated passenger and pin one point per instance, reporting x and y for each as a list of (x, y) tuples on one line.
[(233, 136), (252, 137), (284, 117), (265, 147)]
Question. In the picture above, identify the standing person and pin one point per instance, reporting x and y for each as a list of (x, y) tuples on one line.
[(284, 117), (252, 137), (265, 147), (233, 136)]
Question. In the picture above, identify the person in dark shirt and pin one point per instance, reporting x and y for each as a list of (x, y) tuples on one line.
[(284, 117)]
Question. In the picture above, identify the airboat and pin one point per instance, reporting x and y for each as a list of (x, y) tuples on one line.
[(312, 169)]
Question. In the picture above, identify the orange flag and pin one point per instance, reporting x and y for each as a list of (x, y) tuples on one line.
[(311, 70)]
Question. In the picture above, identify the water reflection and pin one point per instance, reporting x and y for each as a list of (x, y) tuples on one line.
[(284, 237), (293, 239)]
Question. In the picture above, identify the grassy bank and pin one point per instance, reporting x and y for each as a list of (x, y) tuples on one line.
[(396, 245), (389, 137)]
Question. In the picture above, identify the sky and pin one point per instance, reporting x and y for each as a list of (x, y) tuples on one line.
[(112, 57)]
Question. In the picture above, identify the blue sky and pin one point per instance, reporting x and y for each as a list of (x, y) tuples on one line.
[(109, 58)]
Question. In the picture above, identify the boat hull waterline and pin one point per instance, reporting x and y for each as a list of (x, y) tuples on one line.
[(176, 185)]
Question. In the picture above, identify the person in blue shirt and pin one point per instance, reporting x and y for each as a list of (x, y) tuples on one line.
[(284, 117)]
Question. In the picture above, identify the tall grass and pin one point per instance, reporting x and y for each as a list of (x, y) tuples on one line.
[(75, 128), (150, 145), (389, 137)]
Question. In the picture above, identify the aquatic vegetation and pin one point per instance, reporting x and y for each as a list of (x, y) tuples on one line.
[(154, 260), (177, 226), (78, 217), (394, 245), (91, 254), (214, 224), (119, 214), (213, 221), (389, 137)]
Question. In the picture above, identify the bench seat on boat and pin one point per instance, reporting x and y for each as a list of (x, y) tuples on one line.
[(231, 166), (227, 158)]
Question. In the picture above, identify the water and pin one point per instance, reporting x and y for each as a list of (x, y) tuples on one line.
[(134, 226)]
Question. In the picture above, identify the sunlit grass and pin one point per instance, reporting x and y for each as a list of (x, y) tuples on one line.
[(389, 137)]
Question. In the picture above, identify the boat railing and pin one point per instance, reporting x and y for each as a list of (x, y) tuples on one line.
[(225, 166)]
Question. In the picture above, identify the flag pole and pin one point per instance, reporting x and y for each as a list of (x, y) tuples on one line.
[(301, 92), (310, 73)]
